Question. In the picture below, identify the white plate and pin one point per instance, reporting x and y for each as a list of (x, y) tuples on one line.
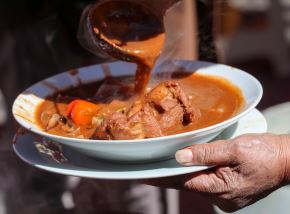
[(77, 164), (278, 118)]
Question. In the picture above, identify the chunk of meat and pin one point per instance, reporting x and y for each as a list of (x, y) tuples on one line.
[(118, 127), (171, 118), (167, 96), (165, 107), (150, 124), (137, 123)]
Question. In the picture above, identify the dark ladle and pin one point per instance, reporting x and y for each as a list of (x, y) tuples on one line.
[(128, 31), (118, 26)]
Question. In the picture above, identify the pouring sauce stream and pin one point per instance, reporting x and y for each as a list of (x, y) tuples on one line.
[(129, 31)]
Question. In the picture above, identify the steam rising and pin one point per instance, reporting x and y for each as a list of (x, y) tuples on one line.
[(181, 32), (181, 39)]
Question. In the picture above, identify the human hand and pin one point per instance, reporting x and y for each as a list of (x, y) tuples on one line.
[(247, 169)]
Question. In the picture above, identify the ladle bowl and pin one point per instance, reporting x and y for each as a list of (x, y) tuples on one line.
[(116, 26)]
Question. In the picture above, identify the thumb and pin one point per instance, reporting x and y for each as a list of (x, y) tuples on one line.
[(215, 153)]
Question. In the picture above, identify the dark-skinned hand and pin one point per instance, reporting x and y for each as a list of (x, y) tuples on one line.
[(245, 170)]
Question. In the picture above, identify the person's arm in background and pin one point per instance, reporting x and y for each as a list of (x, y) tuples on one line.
[(247, 169)]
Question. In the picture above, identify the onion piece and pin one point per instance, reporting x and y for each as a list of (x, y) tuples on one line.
[(97, 121), (53, 121)]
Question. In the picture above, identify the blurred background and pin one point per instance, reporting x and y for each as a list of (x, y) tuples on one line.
[(38, 38)]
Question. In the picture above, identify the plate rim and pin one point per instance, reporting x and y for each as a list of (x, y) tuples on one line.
[(130, 175)]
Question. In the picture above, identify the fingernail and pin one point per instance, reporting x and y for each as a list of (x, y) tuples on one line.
[(184, 156)]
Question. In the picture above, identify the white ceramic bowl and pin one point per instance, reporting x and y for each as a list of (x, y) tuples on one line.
[(133, 151)]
